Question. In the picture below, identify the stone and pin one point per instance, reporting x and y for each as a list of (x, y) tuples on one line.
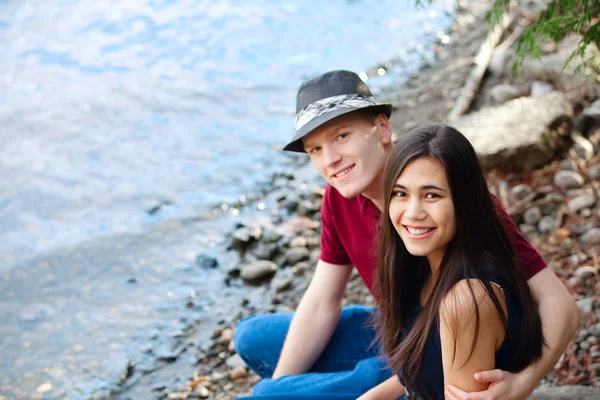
[(581, 202), (595, 329), (202, 391), (298, 241), (585, 272), (226, 336), (541, 88), (568, 180), (585, 305), (297, 254), (584, 346), (568, 165), (521, 134), (238, 373), (218, 376), (586, 213), (592, 236), (265, 251), (527, 229), (546, 224), (258, 271), (241, 238), (235, 361), (532, 215), (205, 261), (504, 92), (283, 285), (521, 191), (594, 172), (499, 61), (565, 393)]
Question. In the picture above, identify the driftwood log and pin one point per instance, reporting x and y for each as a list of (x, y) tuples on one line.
[(482, 60)]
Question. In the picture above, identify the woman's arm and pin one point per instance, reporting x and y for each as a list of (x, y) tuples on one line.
[(466, 350), (390, 389)]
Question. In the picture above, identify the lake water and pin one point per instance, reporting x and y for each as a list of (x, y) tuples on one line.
[(110, 109)]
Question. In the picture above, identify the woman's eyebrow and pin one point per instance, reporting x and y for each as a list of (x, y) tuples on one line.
[(425, 187)]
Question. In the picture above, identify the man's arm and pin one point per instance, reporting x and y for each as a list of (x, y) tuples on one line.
[(315, 319), (560, 320)]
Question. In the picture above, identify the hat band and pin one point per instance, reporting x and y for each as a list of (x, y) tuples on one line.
[(329, 104)]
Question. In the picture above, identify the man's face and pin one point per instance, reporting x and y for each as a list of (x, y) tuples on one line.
[(350, 152)]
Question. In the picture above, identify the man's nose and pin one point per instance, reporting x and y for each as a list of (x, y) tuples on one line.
[(331, 156)]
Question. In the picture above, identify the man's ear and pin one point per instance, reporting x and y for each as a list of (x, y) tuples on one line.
[(385, 128)]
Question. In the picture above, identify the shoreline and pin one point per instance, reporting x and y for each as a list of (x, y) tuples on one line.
[(290, 240)]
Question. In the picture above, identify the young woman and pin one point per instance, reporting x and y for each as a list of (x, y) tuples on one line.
[(452, 299)]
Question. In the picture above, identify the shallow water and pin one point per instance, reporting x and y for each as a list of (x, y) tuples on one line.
[(109, 109)]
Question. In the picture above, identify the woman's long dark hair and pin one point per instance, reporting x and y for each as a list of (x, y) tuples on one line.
[(479, 249)]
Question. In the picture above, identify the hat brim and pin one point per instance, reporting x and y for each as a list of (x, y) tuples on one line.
[(296, 144)]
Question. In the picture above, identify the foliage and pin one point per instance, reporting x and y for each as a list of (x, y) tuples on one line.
[(557, 20)]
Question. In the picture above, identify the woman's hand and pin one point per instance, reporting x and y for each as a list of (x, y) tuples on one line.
[(390, 389), (503, 386)]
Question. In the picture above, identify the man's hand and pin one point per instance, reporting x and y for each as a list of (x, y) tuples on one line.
[(503, 386)]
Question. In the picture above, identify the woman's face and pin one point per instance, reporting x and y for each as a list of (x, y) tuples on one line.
[(422, 210)]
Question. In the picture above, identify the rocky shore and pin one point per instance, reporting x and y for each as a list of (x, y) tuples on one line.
[(538, 136)]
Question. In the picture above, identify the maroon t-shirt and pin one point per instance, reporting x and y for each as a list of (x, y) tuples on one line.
[(349, 232)]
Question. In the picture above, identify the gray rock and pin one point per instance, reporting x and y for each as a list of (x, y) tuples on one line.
[(595, 329), (584, 346), (520, 134), (585, 305), (258, 271), (568, 180), (584, 272), (593, 110), (592, 236), (521, 191), (581, 202), (504, 92), (299, 241), (270, 236), (500, 60), (532, 215), (565, 393), (541, 88), (235, 361), (596, 368), (594, 171), (527, 229), (546, 224), (568, 165), (205, 261), (283, 284), (265, 251), (297, 254), (241, 238), (586, 213)]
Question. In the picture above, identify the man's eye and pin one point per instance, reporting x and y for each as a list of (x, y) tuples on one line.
[(342, 136), (315, 150)]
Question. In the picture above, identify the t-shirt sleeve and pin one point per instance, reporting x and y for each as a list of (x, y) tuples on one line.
[(527, 256), (332, 250)]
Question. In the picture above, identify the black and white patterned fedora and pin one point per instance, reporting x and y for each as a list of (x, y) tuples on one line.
[(328, 96)]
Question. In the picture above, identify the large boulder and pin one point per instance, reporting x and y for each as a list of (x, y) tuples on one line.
[(521, 134), (565, 393)]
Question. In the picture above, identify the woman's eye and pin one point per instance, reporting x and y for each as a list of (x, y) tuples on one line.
[(431, 196), (315, 150), (342, 136), (399, 194)]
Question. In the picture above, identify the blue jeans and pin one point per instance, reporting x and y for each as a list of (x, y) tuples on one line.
[(348, 367)]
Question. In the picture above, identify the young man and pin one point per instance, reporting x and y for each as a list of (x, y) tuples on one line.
[(324, 348)]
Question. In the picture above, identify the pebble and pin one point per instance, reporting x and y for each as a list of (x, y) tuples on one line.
[(238, 373), (235, 361), (584, 346), (283, 285), (596, 367), (265, 251), (568, 180), (299, 241), (205, 261), (297, 254), (532, 215), (594, 172), (258, 271), (226, 336), (526, 229), (592, 236), (218, 376), (521, 191), (541, 88), (581, 202), (202, 391), (585, 305), (568, 165), (592, 340), (586, 213), (595, 329), (584, 272), (546, 224)]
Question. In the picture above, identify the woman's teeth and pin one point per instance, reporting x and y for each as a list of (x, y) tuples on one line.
[(414, 231)]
